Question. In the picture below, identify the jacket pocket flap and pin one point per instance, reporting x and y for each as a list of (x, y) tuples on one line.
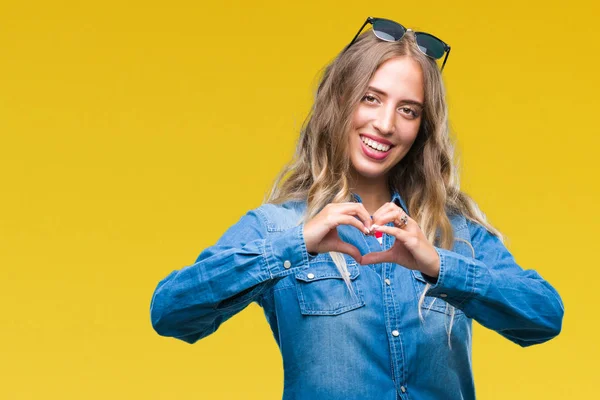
[(326, 270)]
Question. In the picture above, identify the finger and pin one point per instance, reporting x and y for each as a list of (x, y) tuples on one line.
[(394, 216), (377, 257), (398, 233), (384, 218), (410, 240), (347, 248), (357, 209), (387, 207), (361, 212), (341, 219)]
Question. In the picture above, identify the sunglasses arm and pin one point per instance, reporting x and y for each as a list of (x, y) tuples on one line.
[(445, 58), (359, 31)]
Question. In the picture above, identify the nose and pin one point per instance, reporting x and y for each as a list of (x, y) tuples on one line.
[(385, 122)]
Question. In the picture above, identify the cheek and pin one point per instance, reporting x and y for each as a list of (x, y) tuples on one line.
[(360, 117), (409, 129)]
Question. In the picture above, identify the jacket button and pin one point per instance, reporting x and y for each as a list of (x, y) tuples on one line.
[(310, 276), (287, 264), (395, 333), (443, 295), (403, 389), (388, 282)]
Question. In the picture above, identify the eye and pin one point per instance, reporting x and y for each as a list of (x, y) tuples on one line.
[(409, 111), (370, 99)]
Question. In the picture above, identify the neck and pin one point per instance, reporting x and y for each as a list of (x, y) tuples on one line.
[(373, 194)]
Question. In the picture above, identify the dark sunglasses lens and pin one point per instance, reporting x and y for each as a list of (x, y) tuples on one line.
[(387, 30), (431, 46)]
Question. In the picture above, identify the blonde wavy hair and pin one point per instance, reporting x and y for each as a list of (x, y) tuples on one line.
[(426, 177)]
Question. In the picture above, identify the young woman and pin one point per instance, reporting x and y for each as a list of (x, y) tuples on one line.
[(368, 260)]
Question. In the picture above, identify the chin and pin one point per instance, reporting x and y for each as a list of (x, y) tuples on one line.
[(370, 171)]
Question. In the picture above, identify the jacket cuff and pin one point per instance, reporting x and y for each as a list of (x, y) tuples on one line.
[(456, 280)]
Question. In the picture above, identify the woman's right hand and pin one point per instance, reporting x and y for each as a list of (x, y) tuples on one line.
[(320, 233)]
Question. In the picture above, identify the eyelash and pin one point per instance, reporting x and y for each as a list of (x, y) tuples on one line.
[(412, 112)]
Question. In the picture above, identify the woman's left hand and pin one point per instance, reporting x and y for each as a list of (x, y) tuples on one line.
[(411, 249)]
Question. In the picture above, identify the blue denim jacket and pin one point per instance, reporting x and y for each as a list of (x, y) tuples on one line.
[(372, 345)]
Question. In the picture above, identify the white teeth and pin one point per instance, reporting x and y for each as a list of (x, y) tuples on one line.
[(375, 145)]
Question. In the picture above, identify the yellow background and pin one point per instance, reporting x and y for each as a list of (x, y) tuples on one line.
[(134, 133)]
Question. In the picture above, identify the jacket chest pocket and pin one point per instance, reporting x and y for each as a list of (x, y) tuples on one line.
[(322, 291)]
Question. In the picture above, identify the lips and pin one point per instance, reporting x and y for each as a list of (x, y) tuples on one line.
[(374, 154), (377, 139)]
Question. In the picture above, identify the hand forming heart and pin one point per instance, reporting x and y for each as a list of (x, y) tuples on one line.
[(411, 248)]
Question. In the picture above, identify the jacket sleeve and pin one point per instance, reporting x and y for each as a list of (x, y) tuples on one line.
[(492, 289), (191, 303)]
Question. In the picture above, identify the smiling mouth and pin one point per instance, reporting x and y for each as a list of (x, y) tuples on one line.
[(375, 145)]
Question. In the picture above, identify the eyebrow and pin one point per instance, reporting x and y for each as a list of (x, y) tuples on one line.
[(406, 101)]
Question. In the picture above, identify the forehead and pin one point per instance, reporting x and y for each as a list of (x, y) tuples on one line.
[(400, 78)]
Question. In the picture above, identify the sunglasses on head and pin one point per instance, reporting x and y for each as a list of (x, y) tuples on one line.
[(391, 31)]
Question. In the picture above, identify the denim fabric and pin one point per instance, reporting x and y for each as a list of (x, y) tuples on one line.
[(370, 345)]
